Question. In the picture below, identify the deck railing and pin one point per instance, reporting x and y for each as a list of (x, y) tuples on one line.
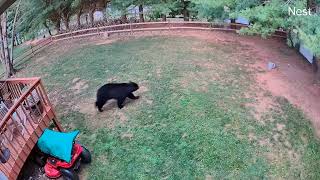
[(25, 111)]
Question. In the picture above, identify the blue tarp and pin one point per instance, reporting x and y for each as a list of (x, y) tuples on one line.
[(57, 144), (306, 53), (242, 20), (227, 21), (2, 176)]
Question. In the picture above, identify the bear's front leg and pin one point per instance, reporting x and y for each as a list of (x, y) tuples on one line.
[(131, 96)]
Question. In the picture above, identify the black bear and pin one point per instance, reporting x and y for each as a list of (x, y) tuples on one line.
[(118, 91)]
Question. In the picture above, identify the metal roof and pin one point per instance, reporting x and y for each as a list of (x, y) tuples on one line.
[(4, 4)]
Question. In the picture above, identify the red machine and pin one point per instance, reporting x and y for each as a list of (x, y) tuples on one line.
[(55, 168)]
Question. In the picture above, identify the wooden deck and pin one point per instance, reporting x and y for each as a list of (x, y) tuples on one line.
[(32, 119)]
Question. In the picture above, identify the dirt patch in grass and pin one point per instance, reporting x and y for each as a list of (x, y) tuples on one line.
[(293, 78), (206, 73), (106, 41), (295, 82), (87, 107), (127, 135), (189, 79), (79, 85), (265, 142), (109, 118), (261, 105)]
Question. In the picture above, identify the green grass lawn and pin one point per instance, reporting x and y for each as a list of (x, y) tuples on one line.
[(193, 120)]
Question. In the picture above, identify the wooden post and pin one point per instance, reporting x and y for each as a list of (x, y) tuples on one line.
[(31, 50)]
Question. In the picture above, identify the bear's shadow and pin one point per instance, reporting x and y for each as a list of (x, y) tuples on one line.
[(112, 103)]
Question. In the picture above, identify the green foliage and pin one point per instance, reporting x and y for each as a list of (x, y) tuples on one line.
[(214, 9), (266, 17), (162, 7), (121, 5), (245, 4), (308, 30), (269, 17)]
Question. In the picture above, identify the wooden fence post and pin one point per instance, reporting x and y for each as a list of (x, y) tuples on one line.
[(32, 50)]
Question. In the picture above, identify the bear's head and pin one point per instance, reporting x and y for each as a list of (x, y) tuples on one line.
[(134, 85)]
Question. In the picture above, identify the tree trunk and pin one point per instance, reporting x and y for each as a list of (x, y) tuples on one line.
[(66, 24), (57, 26), (13, 34), (232, 26), (47, 27), (91, 16), (16, 40), (79, 19), (312, 5), (2, 45), (87, 23), (164, 17), (185, 11), (185, 15), (124, 18), (5, 54), (141, 17), (105, 14)]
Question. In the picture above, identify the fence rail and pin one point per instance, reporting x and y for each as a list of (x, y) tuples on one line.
[(155, 26), (136, 27), (34, 49)]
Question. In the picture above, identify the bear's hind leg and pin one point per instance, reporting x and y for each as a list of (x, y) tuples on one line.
[(120, 102), (100, 104)]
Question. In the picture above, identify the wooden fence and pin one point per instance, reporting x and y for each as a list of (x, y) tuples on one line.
[(155, 26), (135, 27), (33, 50)]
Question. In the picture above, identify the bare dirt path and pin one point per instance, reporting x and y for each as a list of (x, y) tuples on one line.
[(293, 78)]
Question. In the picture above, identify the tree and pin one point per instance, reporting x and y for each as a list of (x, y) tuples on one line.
[(5, 55), (185, 11), (140, 4), (160, 9), (13, 34), (122, 6), (213, 10), (37, 13), (81, 6)]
